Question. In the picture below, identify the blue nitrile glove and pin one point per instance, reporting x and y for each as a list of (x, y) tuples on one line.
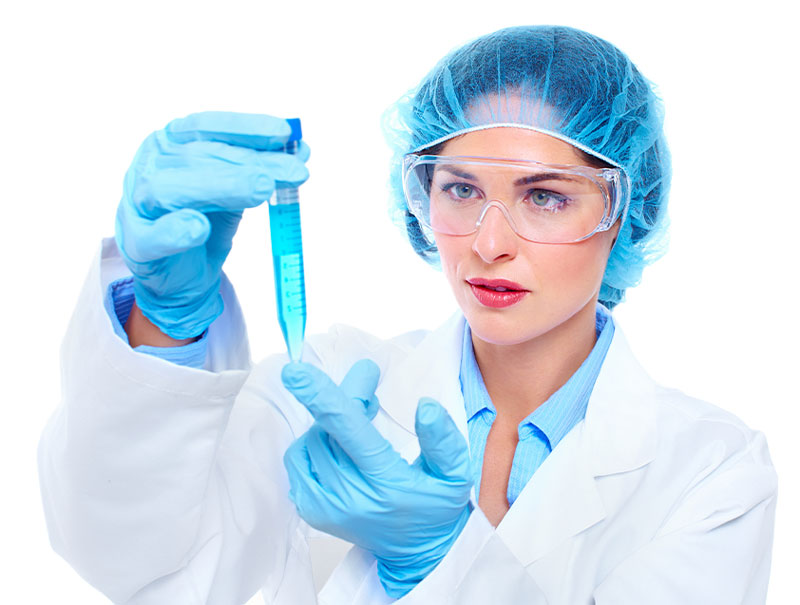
[(347, 480), (182, 200)]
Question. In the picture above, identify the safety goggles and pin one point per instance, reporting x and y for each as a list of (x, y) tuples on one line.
[(544, 203)]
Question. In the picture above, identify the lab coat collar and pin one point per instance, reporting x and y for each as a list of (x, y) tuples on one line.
[(562, 499)]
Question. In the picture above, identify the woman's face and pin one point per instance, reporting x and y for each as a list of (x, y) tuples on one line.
[(558, 282)]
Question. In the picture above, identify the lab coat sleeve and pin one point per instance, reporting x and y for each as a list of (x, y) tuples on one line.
[(149, 484), (716, 545)]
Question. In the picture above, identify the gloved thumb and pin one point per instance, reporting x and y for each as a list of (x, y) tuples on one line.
[(443, 448)]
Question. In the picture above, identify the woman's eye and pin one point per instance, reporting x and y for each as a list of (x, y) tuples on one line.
[(547, 200), (461, 191)]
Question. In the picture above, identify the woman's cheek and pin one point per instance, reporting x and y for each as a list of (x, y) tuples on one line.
[(586, 264), (449, 258), (564, 271)]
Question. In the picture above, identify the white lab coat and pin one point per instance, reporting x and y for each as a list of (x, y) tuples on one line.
[(165, 484)]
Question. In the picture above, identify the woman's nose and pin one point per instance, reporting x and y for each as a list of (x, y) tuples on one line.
[(495, 239)]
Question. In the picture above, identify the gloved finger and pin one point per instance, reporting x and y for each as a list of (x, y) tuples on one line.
[(318, 445), (343, 418), (169, 154), (360, 383), (305, 491), (334, 469), (143, 240), (442, 446), (208, 182), (298, 465), (303, 151), (223, 228), (255, 131), (326, 452)]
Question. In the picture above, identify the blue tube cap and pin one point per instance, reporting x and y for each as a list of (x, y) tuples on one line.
[(297, 131)]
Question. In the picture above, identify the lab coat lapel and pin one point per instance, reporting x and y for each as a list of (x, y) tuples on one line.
[(560, 501), (618, 435), (432, 370), (620, 421)]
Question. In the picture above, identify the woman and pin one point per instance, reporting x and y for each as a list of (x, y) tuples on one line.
[(547, 466)]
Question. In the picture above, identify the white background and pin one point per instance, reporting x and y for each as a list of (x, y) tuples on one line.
[(84, 82)]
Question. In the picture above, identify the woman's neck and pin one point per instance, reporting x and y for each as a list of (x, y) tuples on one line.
[(521, 377)]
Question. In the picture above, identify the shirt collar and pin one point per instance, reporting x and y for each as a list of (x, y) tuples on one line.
[(476, 397), (564, 408)]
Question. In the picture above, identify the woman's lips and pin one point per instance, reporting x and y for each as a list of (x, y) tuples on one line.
[(497, 293)]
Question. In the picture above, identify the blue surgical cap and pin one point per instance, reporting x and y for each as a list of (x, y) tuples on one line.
[(565, 83)]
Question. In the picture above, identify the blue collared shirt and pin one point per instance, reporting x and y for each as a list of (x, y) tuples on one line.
[(542, 430)]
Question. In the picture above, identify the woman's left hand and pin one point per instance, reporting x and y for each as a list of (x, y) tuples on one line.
[(348, 481)]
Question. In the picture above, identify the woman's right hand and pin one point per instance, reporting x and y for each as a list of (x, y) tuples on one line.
[(182, 200)]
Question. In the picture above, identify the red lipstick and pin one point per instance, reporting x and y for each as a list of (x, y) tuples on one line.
[(497, 293)]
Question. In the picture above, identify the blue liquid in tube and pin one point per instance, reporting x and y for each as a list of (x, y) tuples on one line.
[(287, 257)]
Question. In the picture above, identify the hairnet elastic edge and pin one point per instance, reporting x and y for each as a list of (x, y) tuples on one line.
[(551, 133)]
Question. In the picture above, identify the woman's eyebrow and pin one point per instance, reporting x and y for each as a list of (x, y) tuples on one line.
[(525, 180), (543, 176), (456, 172)]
